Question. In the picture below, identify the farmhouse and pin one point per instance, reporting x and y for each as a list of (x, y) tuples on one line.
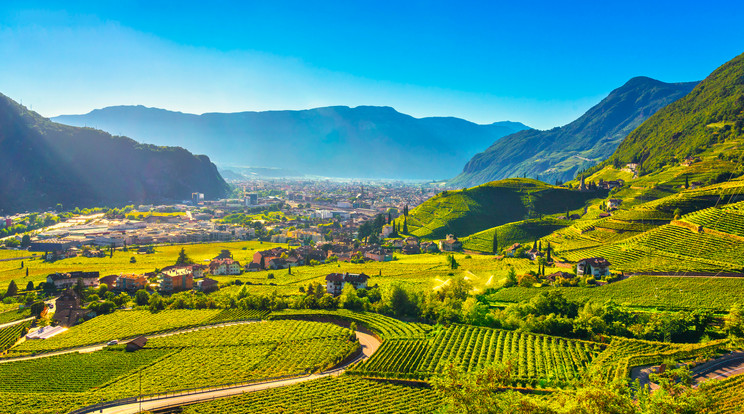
[(511, 251), (68, 309), (450, 244), (68, 280), (559, 275), (595, 266), (335, 282), (613, 203)]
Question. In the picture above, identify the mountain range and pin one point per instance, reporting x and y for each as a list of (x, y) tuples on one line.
[(338, 141), (44, 163), (558, 153)]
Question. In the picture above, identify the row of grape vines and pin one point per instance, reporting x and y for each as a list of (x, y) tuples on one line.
[(534, 358), (727, 395), (10, 334), (328, 395), (384, 326), (120, 325)]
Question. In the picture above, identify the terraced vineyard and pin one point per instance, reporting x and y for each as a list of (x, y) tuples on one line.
[(537, 359), (648, 292), (120, 325), (682, 242), (729, 219), (10, 334), (727, 395), (207, 357), (384, 326), (519, 232), (328, 395)]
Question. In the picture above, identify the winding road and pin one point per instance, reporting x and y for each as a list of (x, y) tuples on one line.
[(369, 345), (720, 368)]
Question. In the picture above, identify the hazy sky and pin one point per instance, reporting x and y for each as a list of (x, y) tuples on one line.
[(541, 63)]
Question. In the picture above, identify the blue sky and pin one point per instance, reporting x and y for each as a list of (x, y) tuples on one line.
[(541, 63)]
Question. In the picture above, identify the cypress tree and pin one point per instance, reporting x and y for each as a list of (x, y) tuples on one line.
[(12, 289), (548, 255), (495, 242), (405, 225)]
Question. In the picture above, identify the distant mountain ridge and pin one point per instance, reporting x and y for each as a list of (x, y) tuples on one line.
[(44, 163), (364, 142), (558, 153)]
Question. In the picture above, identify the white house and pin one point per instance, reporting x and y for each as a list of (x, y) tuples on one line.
[(595, 266)]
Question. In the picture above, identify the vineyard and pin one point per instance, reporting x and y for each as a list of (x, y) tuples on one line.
[(10, 335), (249, 334), (212, 356), (73, 372), (328, 395), (122, 325), (727, 395), (647, 291), (519, 232), (729, 219), (623, 354), (14, 315), (536, 359), (384, 326)]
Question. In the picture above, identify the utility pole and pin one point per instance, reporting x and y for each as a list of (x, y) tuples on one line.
[(140, 391)]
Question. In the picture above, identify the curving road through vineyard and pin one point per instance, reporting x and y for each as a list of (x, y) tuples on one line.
[(97, 347), (369, 344)]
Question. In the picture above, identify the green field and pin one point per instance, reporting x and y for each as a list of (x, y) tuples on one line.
[(469, 211), (662, 292), (537, 360), (419, 272)]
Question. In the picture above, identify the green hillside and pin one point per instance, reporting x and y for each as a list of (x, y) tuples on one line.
[(525, 231), (713, 113), (469, 211), (558, 153), (706, 235)]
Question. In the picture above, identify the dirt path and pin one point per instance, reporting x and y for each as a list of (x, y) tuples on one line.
[(369, 343)]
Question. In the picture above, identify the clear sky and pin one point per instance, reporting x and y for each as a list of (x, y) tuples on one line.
[(541, 63)]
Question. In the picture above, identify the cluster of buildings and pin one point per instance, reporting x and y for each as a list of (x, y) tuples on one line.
[(69, 241)]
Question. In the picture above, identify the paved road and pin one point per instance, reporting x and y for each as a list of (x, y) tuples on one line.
[(723, 367), (369, 343), (720, 368), (96, 347), (5, 325)]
